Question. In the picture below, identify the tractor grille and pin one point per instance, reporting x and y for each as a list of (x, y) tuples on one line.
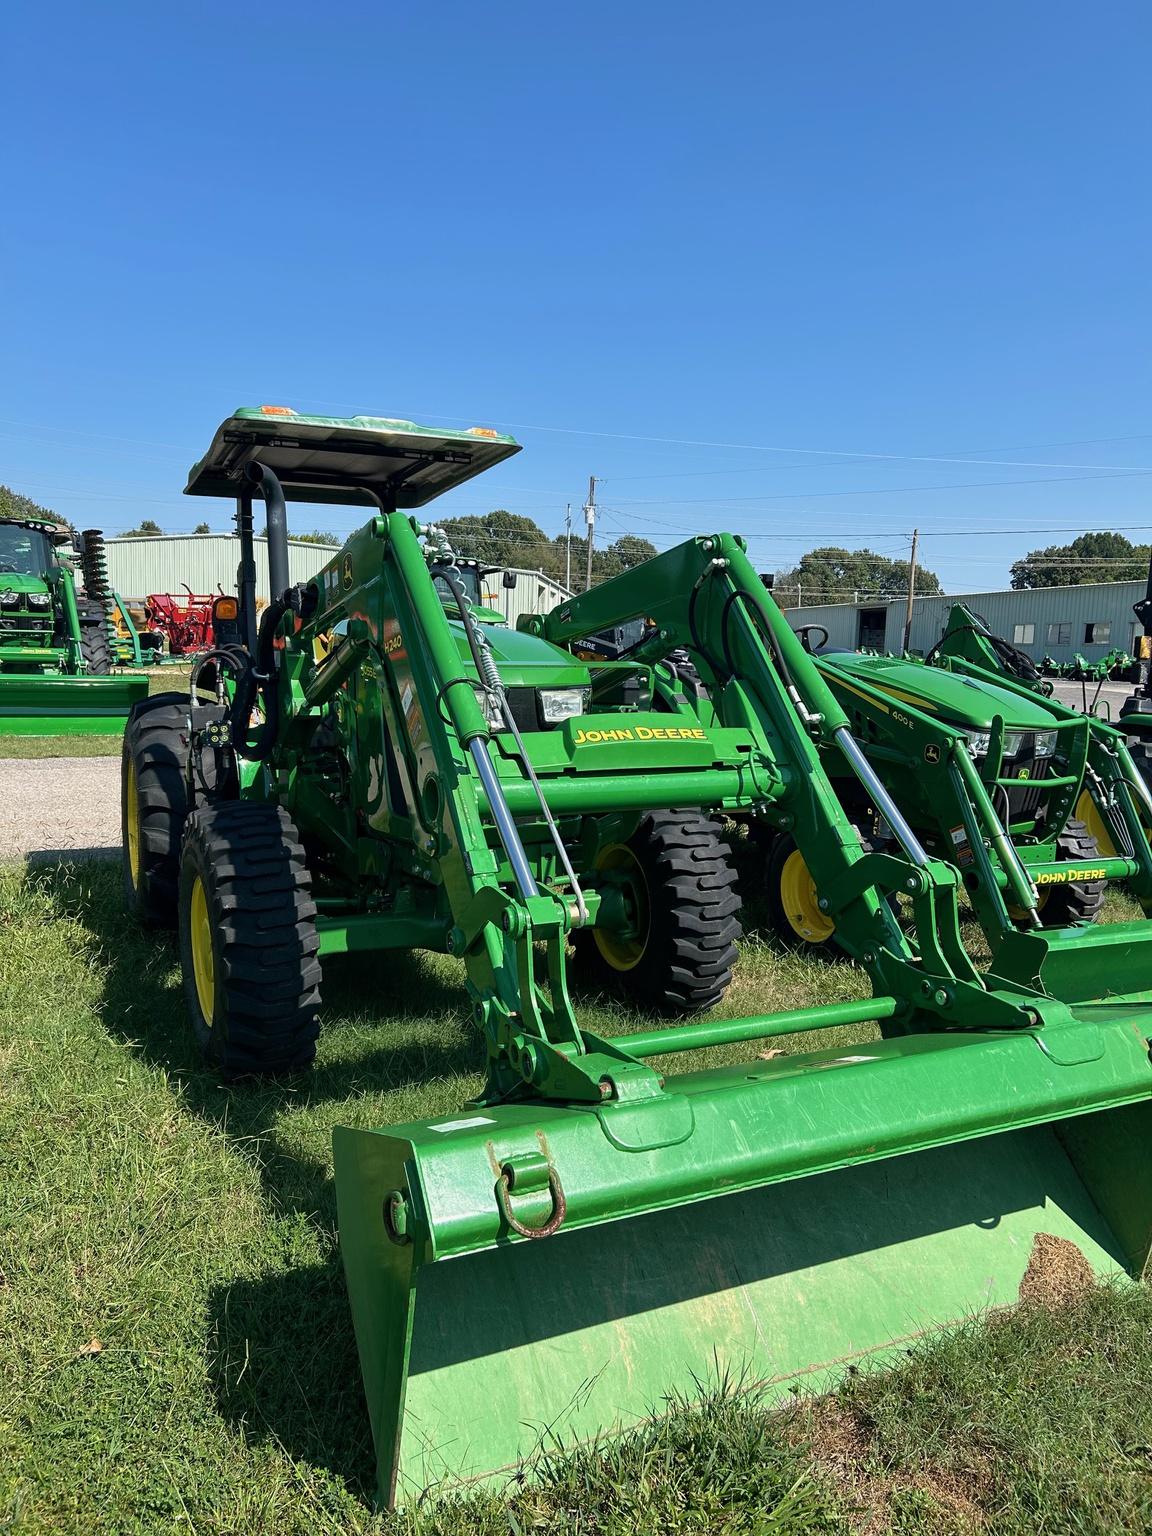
[(522, 703), (1025, 799), (19, 626)]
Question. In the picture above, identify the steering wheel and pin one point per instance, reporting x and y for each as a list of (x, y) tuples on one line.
[(805, 632), (7, 568)]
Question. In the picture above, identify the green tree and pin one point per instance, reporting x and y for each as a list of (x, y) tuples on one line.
[(12, 504), (498, 538), (201, 528), (510, 539), (147, 530), (834, 575), (318, 537), (1091, 557)]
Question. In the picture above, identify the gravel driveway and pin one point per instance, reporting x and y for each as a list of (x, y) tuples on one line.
[(57, 805)]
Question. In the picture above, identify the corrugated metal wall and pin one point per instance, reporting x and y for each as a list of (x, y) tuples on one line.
[(207, 561), (203, 562), (1045, 621)]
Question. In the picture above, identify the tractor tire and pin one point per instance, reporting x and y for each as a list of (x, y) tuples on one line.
[(679, 962), (95, 641), (249, 950), (793, 904), (154, 802), (1081, 901)]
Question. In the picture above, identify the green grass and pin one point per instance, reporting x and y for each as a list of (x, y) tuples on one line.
[(175, 1344), (160, 680)]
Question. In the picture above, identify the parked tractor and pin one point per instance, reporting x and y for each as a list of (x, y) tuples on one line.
[(387, 768), (1020, 792), (55, 647)]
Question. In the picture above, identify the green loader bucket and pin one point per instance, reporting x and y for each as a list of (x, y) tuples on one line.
[(36, 705), (523, 1275)]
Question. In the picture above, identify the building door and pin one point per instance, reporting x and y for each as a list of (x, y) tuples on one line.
[(871, 629)]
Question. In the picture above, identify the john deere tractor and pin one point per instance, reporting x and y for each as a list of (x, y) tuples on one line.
[(1022, 794), (55, 647), (385, 767)]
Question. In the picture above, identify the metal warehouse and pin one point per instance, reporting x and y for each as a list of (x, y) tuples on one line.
[(206, 562), (1043, 621)]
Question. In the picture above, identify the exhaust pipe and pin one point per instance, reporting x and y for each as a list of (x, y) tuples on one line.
[(276, 526)]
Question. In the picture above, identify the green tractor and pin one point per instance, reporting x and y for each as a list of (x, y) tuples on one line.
[(386, 767), (55, 647), (1038, 805)]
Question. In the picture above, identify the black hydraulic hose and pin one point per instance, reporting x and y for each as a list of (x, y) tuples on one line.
[(276, 525)]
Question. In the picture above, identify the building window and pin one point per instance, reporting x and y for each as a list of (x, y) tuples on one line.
[(1023, 634), (1060, 634), (1097, 634)]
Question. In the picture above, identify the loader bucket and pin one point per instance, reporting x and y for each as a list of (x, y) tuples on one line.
[(36, 705), (773, 1222)]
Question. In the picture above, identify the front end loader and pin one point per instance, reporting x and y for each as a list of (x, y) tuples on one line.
[(386, 768), (55, 648)]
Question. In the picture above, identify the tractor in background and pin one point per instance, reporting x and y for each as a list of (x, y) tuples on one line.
[(56, 651)]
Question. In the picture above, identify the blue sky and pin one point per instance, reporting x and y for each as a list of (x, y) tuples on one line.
[(816, 273)]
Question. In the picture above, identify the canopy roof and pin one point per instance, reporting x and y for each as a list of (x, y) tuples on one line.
[(342, 459)]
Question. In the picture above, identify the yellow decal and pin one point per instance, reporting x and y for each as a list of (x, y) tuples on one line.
[(640, 733), (1060, 877), (393, 643)]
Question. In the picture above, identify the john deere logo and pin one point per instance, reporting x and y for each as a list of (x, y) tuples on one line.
[(931, 753), (1023, 773), (346, 571)]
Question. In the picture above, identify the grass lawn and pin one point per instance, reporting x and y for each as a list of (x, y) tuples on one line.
[(160, 680), (176, 1349)]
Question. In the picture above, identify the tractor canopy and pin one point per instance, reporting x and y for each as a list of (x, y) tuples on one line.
[(346, 460)]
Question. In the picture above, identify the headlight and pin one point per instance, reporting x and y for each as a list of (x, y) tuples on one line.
[(1045, 743), (979, 742), (559, 704), (9, 599), (39, 600)]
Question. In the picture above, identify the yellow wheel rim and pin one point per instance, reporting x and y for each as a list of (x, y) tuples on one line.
[(132, 817), (1018, 914), (623, 950), (203, 955), (800, 902)]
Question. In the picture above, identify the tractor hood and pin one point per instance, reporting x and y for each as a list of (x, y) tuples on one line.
[(526, 661), (944, 695), (17, 581)]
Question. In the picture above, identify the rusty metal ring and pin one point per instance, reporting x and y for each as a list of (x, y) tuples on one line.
[(559, 1205)]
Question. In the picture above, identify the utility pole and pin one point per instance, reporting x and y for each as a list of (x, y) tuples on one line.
[(911, 586), (590, 521), (568, 546)]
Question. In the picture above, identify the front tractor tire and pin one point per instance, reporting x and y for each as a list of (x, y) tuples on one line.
[(95, 641), (794, 902), (154, 801), (249, 950), (1081, 901), (667, 937)]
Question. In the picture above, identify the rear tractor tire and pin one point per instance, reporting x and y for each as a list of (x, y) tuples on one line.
[(674, 949), (249, 950), (154, 802)]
